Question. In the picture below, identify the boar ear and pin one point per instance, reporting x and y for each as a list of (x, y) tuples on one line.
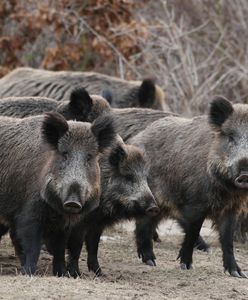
[(220, 110), (117, 155), (107, 95), (104, 131), (53, 128), (147, 93), (80, 102)]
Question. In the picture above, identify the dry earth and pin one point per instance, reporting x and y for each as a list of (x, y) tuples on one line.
[(126, 277)]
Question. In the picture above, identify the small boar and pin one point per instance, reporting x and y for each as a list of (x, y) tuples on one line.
[(80, 107), (125, 194), (198, 170), (59, 84), (49, 181)]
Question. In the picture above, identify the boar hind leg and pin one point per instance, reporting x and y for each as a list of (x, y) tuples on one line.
[(74, 245), (240, 233), (191, 236), (92, 241), (226, 232), (144, 232), (156, 237), (200, 244)]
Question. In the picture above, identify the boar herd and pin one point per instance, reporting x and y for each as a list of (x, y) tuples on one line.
[(82, 151)]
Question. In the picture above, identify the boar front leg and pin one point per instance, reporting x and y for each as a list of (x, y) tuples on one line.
[(92, 240), (144, 232), (29, 235), (226, 232), (74, 245), (192, 231), (56, 244)]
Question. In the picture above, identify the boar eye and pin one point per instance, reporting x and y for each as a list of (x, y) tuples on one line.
[(89, 157), (65, 154), (231, 138), (129, 177)]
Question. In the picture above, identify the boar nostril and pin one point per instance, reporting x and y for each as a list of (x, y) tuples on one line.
[(242, 181), (153, 210)]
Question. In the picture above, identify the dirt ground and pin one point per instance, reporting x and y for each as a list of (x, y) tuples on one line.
[(126, 277)]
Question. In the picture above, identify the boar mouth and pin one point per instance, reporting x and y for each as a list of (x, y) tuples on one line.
[(242, 181)]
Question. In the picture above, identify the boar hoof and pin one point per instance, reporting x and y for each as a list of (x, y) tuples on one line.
[(184, 266), (157, 239), (60, 271), (73, 272), (27, 270), (151, 262), (238, 274), (96, 269), (99, 273)]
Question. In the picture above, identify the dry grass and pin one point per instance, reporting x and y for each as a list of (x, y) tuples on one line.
[(195, 49), (126, 277)]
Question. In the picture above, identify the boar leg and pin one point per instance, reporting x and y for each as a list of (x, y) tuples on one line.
[(17, 245), (191, 235), (57, 245), (74, 245), (156, 237), (29, 235), (200, 244), (3, 230), (240, 233), (144, 232), (226, 232), (92, 240)]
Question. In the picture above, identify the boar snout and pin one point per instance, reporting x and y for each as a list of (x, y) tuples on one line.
[(242, 180), (152, 210), (72, 204)]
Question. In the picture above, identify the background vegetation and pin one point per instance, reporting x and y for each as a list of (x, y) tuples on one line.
[(194, 49)]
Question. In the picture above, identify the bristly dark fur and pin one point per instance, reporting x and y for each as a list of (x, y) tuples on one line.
[(147, 93), (104, 129), (117, 155), (80, 101), (53, 128), (220, 109)]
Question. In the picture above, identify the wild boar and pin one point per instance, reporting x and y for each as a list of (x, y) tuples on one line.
[(125, 194), (59, 84), (49, 181), (80, 106), (198, 170)]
